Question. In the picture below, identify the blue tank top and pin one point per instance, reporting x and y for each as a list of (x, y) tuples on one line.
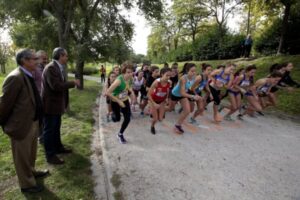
[(202, 84), (188, 85), (219, 78), (244, 82)]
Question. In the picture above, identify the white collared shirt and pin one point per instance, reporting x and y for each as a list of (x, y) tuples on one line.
[(26, 71), (61, 67)]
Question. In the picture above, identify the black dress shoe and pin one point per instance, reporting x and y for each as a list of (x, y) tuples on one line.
[(34, 189), (64, 151), (55, 160), (41, 174)]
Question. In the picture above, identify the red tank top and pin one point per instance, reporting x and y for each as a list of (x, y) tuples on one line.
[(160, 92)]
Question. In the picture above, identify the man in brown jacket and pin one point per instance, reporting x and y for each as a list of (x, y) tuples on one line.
[(55, 101), (20, 117)]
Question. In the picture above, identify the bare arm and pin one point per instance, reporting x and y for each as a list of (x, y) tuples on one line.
[(151, 90), (229, 84), (182, 89), (196, 83), (214, 73), (113, 86)]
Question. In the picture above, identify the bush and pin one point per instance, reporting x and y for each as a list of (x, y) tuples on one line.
[(86, 70), (206, 47)]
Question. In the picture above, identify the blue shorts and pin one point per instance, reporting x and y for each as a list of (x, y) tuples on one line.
[(235, 93)]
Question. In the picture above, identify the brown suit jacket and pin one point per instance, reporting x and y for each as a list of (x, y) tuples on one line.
[(54, 90), (17, 105)]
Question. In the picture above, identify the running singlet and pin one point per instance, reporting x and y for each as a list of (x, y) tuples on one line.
[(188, 85), (160, 92), (264, 88), (202, 84), (244, 82), (137, 84), (121, 91), (220, 80)]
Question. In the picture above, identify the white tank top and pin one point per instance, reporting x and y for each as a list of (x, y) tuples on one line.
[(137, 84)]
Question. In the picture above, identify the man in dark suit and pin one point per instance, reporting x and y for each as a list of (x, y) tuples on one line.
[(55, 101), (20, 118)]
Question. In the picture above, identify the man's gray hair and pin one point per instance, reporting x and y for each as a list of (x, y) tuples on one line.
[(57, 52), (40, 52), (23, 54)]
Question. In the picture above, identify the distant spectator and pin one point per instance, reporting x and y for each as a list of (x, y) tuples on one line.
[(248, 45), (102, 74), (166, 65)]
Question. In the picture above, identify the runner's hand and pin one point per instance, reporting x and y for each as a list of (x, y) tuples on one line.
[(197, 97), (121, 103)]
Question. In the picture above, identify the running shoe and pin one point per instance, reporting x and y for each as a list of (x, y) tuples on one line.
[(193, 121), (153, 130), (122, 140), (260, 113), (179, 128), (228, 118), (240, 117), (180, 110), (221, 107), (142, 113)]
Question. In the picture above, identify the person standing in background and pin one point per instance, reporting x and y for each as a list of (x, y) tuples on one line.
[(248, 45), (37, 73), (102, 74), (37, 76)]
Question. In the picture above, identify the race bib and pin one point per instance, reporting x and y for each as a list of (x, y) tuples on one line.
[(161, 94), (123, 95)]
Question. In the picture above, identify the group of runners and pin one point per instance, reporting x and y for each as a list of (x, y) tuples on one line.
[(130, 89)]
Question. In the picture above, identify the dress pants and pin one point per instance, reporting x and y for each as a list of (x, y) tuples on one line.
[(24, 156), (51, 134)]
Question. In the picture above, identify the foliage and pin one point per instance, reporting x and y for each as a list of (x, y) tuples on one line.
[(205, 47), (4, 56), (268, 40)]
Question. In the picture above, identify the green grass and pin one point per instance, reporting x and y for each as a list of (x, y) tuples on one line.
[(288, 102), (72, 180)]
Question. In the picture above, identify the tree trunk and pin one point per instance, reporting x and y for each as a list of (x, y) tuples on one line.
[(3, 71), (175, 43), (284, 28), (79, 70), (248, 19)]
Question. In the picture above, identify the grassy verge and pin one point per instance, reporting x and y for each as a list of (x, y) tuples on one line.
[(72, 180), (288, 102)]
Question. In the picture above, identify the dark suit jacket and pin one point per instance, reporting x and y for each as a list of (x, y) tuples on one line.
[(17, 105), (54, 90)]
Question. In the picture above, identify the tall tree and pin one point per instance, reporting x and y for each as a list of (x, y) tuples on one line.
[(220, 11), (88, 27), (189, 14), (284, 27)]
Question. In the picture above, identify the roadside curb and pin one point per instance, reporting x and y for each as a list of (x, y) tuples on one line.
[(103, 188)]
